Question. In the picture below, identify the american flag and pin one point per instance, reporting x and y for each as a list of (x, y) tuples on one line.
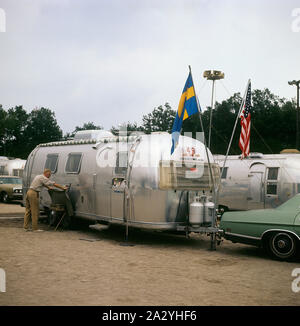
[(245, 116)]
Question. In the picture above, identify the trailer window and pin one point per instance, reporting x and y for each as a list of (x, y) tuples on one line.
[(272, 179), (273, 173), (224, 173), (121, 163), (51, 162), (271, 188), (298, 188), (182, 176), (73, 163), (18, 172)]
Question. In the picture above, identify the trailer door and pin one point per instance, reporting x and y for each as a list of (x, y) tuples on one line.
[(102, 181), (272, 187), (118, 185), (256, 177)]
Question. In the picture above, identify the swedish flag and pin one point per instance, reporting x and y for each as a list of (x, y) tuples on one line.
[(187, 106)]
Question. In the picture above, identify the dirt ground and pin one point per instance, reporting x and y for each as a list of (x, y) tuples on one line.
[(13, 209), (64, 268)]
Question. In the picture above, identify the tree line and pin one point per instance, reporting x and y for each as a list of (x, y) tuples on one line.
[(273, 125)]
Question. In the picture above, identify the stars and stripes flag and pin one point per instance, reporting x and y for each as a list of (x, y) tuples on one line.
[(245, 116)]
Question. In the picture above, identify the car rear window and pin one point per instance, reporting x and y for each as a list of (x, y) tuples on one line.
[(11, 181)]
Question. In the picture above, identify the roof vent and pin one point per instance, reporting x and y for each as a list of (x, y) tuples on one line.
[(159, 133), (290, 151), (254, 155), (92, 134)]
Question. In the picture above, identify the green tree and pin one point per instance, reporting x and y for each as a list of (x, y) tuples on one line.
[(42, 127), (3, 115), (224, 117), (130, 127), (270, 132), (87, 126), (287, 132), (273, 126), (15, 125), (160, 119)]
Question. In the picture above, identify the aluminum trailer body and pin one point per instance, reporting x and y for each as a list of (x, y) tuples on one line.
[(258, 182), (12, 167), (127, 180)]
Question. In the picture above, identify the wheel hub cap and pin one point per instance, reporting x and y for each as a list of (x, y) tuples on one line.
[(281, 244)]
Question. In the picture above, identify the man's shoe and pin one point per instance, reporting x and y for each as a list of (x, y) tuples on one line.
[(27, 230), (38, 230)]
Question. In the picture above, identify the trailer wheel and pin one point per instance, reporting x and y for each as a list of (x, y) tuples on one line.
[(67, 222), (47, 214), (283, 246), (52, 216)]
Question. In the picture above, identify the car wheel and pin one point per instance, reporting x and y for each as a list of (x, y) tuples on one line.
[(283, 246), (5, 197)]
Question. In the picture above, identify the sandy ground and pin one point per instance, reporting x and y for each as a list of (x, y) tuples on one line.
[(60, 268), (13, 209)]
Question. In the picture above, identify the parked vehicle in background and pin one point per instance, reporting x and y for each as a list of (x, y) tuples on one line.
[(277, 230), (259, 181), (10, 188), (12, 167)]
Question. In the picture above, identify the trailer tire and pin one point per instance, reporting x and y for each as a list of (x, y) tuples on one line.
[(54, 219), (52, 216), (46, 212), (67, 222)]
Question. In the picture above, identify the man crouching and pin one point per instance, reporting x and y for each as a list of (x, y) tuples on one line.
[(32, 198)]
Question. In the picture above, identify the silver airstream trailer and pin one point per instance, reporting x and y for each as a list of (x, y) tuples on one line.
[(131, 180), (3, 163), (260, 181), (13, 167)]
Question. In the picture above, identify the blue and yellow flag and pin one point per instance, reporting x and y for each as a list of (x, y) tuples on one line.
[(187, 106)]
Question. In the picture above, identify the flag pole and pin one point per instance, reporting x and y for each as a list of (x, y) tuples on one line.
[(201, 123), (234, 128), (212, 235)]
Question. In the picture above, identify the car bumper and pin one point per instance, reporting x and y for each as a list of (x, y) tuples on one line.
[(241, 238), (16, 196)]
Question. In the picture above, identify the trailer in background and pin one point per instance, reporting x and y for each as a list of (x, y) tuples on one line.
[(12, 167), (259, 181)]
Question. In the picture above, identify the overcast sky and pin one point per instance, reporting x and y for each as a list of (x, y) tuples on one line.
[(111, 61)]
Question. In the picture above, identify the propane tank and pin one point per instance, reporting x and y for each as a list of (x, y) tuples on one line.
[(196, 217), (209, 207)]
